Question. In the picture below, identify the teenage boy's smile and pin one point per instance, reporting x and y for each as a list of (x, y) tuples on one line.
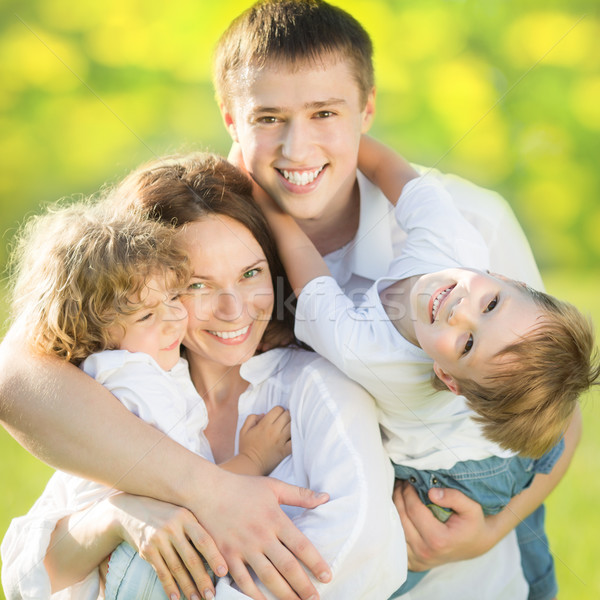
[(299, 127)]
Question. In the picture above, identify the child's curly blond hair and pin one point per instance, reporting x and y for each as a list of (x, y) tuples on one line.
[(76, 270)]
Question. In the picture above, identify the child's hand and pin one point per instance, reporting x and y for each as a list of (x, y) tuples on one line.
[(266, 439)]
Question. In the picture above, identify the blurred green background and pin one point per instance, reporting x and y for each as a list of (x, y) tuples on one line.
[(505, 93)]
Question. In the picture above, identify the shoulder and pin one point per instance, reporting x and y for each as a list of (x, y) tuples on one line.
[(468, 196), (112, 366)]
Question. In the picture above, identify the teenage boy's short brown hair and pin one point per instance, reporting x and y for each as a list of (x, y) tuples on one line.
[(293, 32), (527, 403)]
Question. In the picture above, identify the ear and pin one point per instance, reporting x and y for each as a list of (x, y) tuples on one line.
[(229, 122), (368, 112), (446, 378)]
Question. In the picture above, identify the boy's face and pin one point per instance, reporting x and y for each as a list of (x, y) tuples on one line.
[(464, 317), (299, 130), (157, 328)]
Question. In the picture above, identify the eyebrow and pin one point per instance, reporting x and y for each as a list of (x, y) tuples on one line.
[(243, 270), (316, 105)]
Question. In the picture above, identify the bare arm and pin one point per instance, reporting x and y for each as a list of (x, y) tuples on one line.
[(384, 167), (69, 430), (468, 533), (167, 536)]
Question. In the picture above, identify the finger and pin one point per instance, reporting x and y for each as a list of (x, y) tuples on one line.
[(240, 574), (180, 573), (163, 573), (199, 576), (275, 413), (249, 423), (293, 495), (296, 547), (207, 548), (273, 579), (453, 499)]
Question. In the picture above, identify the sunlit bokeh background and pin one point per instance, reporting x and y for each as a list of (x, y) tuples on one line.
[(503, 92)]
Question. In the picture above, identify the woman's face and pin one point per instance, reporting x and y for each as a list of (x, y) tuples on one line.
[(230, 297)]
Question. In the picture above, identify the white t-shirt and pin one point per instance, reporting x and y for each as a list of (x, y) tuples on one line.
[(336, 448), (422, 428)]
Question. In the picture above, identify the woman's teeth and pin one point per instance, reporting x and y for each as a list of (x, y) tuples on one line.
[(228, 335), (301, 177)]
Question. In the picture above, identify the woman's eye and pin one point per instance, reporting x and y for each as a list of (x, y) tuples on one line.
[(144, 317), (468, 345), (197, 285), (251, 273), (492, 305)]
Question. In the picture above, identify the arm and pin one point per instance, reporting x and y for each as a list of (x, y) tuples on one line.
[(468, 533), (384, 167), (168, 537), (141, 460)]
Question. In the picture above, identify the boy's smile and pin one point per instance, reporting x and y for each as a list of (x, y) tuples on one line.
[(462, 318), (299, 127)]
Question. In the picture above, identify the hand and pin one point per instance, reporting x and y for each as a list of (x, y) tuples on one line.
[(250, 529), (466, 534), (170, 538), (266, 439)]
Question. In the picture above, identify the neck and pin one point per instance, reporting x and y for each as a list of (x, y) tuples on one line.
[(396, 302), (338, 225), (217, 384)]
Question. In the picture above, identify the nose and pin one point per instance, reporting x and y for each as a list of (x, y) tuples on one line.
[(462, 314), (174, 311), (228, 305), (295, 141)]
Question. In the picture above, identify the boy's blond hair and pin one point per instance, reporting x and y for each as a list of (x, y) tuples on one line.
[(293, 32), (76, 271), (527, 403)]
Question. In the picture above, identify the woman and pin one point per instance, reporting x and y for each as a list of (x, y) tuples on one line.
[(335, 438)]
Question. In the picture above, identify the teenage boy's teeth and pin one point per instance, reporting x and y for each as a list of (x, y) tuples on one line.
[(301, 177), (438, 299), (228, 335)]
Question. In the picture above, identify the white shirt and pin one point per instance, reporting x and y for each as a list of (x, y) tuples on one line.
[(497, 574), (336, 448), (422, 428), (165, 399)]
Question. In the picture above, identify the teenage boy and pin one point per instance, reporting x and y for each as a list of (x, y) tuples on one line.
[(294, 80)]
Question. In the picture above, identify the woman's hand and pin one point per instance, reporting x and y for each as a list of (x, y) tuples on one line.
[(267, 439), (251, 530), (170, 538), (466, 534)]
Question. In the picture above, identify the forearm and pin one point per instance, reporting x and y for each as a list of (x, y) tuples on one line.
[(79, 543), (522, 505), (384, 167), (242, 465), (70, 421), (300, 258)]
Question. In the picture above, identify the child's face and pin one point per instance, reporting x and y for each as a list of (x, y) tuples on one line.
[(299, 130), (157, 328), (464, 317)]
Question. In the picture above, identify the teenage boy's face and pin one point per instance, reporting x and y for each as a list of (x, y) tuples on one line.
[(299, 128), (464, 317)]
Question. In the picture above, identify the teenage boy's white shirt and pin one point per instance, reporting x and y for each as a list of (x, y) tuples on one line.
[(336, 448), (422, 428)]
